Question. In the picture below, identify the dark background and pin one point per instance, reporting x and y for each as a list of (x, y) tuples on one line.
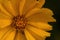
[(54, 5)]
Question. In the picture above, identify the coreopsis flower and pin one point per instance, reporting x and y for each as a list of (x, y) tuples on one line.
[(24, 20)]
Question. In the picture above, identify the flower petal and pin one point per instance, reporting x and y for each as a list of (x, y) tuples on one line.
[(29, 4), (4, 16), (22, 2), (9, 35), (40, 3), (20, 36), (37, 10), (9, 7), (28, 35), (37, 37), (43, 15), (32, 12), (15, 4), (3, 31), (39, 32), (4, 23), (40, 25), (4, 10), (4, 20)]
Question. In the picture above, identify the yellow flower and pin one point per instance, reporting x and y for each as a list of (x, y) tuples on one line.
[(24, 20)]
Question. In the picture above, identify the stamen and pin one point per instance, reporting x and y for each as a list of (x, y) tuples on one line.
[(19, 22)]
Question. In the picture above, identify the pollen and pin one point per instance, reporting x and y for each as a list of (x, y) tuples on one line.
[(19, 22)]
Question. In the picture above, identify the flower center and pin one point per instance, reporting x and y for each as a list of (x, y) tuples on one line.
[(19, 22)]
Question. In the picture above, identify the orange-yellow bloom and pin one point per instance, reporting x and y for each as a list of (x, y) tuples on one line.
[(24, 20)]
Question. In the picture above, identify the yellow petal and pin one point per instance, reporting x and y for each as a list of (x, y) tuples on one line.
[(5, 22), (40, 3), (9, 35), (37, 37), (22, 2), (9, 7), (28, 35), (39, 32), (32, 12), (16, 4), (29, 4), (3, 31), (4, 10), (37, 10), (40, 25), (43, 15), (4, 16), (20, 36)]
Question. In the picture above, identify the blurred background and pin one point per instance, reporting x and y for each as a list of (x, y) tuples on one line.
[(54, 5)]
